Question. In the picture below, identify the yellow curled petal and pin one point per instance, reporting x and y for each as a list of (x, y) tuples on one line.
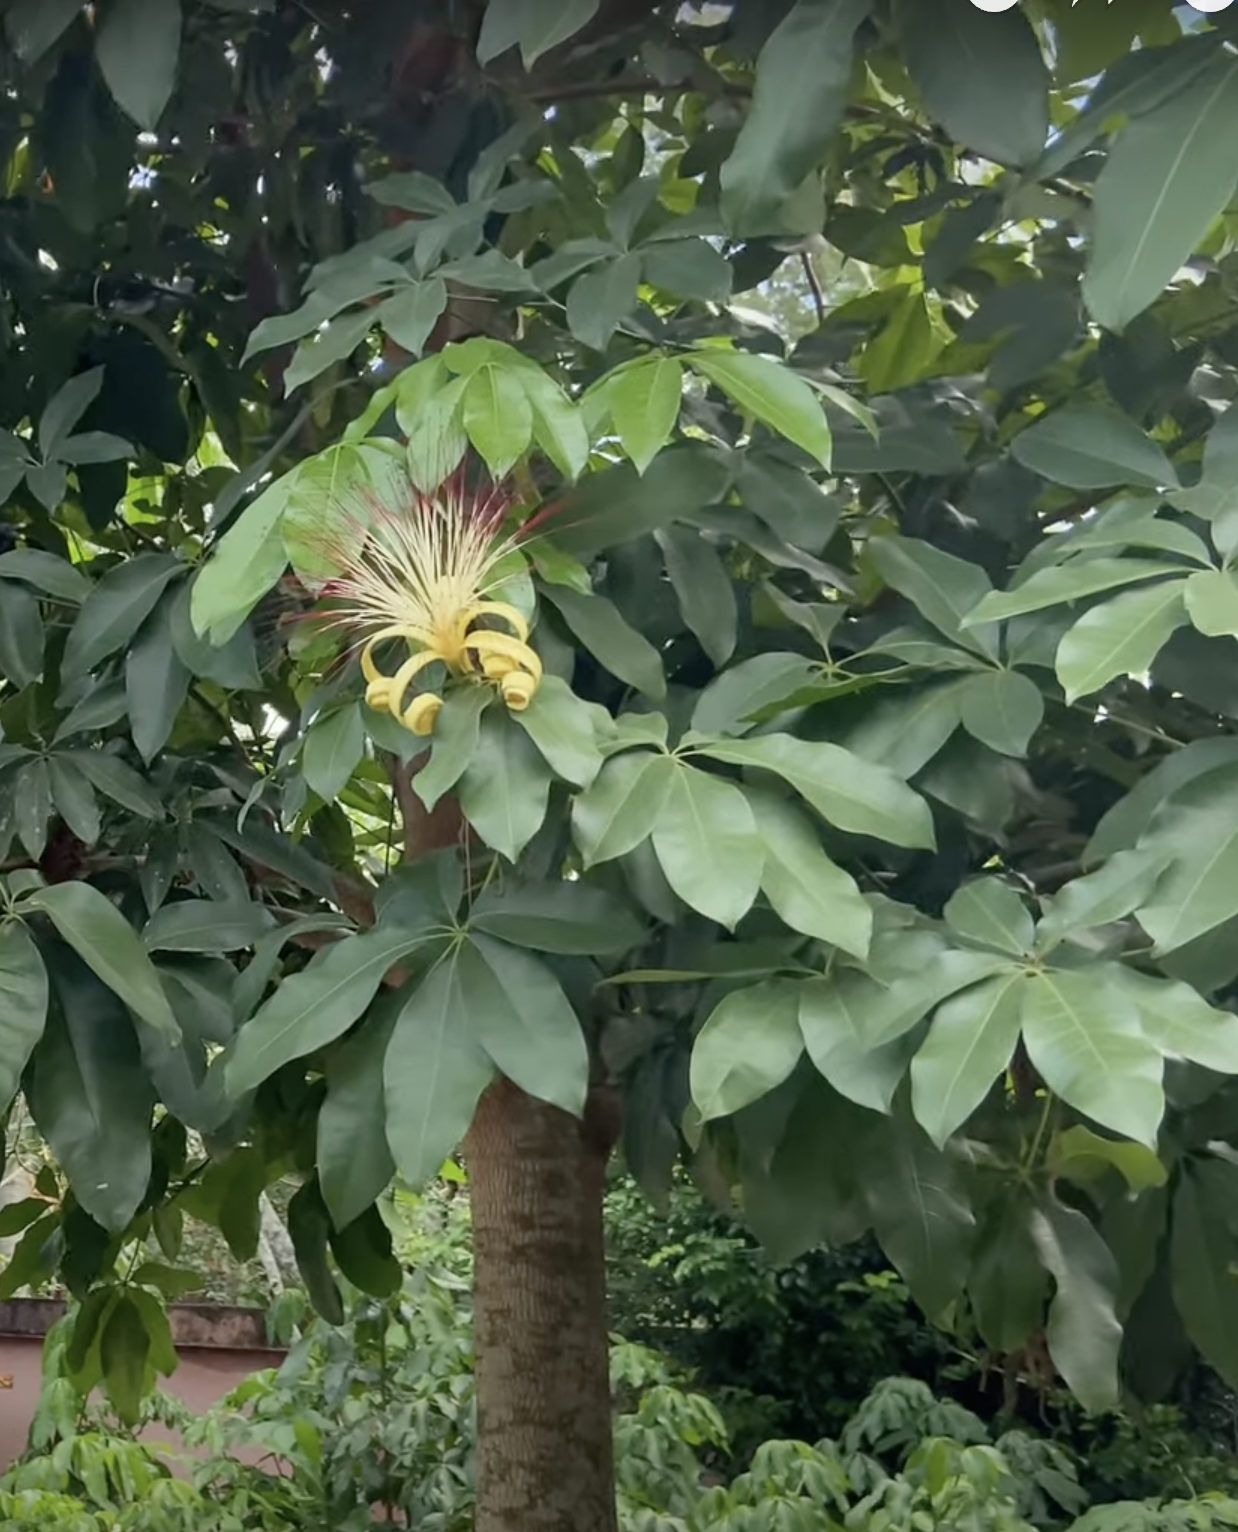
[(519, 689), (378, 692), (508, 614), (487, 644), (403, 679), (422, 713), (414, 635)]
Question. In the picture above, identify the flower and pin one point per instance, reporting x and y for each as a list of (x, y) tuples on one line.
[(424, 570)]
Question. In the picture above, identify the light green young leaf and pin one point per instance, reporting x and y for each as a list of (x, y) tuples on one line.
[(1079, 1155), (620, 808), (1108, 894), (857, 796), (808, 891), (433, 1075), (558, 425), (749, 1045), (498, 418), (1120, 638), (706, 842), (1181, 1023), (970, 1043), (1165, 179), (520, 1017), (243, 565), (770, 392), (1212, 602), (990, 912), (1083, 1033), (644, 406)]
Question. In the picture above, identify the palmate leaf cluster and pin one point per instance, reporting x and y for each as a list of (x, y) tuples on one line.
[(874, 826)]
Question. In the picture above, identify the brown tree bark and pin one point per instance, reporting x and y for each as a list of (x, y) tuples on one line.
[(536, 1176)]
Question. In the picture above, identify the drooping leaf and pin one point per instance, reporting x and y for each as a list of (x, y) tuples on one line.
[(309, 1227), (644, 406), (1203, 1254), (433, 1075), (23, 1005), (749, 1045), (498, 417), (1181, 1023), (506, 787), (456, 732), (599, 626), (137, 46), (732, 700), (969, 1045), (572, 918), (562, 728), (943, 589), (1194, 838), (353, 1158), (1114, 890), (206, 925), (704, 590), (707, 844), (535, 26), (332, 750), (123, 1349), (1083, 1330), (21, 636), (803, 73), (156, 682), (116, 608)]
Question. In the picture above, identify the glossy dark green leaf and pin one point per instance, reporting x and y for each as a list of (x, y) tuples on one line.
[(456, 732), (123, 1349), (47, 573), (1088, 446), (1007, 1284), (156, 682), (32, 805), (731, 701), (1063, 583), (21, 635), (116, 608), (74, 798), (572, 918), (520, 1017), (1002, 709), (1203, 1254), (206, 925), (23, 1005), (312, 1008), (363, 1252), (943, 589), (89, 1094), (119, 782), (535, 26), (137, 47), (704, 590), (107, 943), (612, 641), (619, 810), (332, 750), (353, 1158), (562, 727), (602, 299), (310, 1228), (505, 789), (803, 73), (433, 1075)]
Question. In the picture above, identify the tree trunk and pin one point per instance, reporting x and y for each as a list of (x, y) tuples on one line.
[(536, 1176)]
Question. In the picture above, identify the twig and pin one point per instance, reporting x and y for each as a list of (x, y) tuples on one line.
[(814, 286)]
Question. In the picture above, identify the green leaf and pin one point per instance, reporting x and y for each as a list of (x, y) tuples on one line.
[(1164, 181), (498, 418), (1007, 1284), (21, 636), (1212, 602), (363, 1252), (644, 406), (520, 1017), (206, 925), (109, 774), (89, 1095), (103, 705), (156, 682), (558, 426), (571, 918), (107, 943), (536, 25), (47, 573), (611, 640), (23, 1005), (1083, 1034), (505, 790), (942, 588), (969, 1045), (354, 1160), (688, 268), (332, 750), (602, 299), (1120, 638), (1088, 446), (748, 1046), (990, 913), (981, 76), (703, 589), (1002, 709), (904, 733), (123, 1349), (433, 1075), (707, 845), (456, 732), (619, 810), (1181, 1023), (808, 891), (244, 564), (1083, 1332), (837, 1017), (1203, 1255), (857, 796), (770, 392), (410, 313), (309, 1228), (1082, 1156), (1063, 583), (920, 1214), (312, 1008), (34, 25), (116, 608), (335, 342), (1110, 893), (66, 407), (32, 806), (732, 700), (561, 726), (803, 76), (137, 47)]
